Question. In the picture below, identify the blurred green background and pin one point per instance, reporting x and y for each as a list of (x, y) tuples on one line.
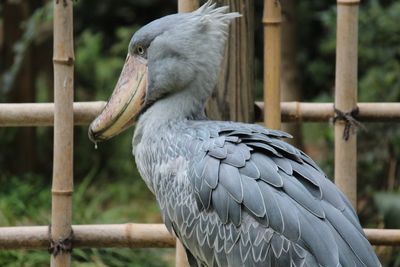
[(108, 188)]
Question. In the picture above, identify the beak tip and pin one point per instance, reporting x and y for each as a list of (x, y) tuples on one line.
[(92, 136)]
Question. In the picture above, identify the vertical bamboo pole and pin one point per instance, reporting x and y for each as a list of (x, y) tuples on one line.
[(272, 19), (187, 5), (346, 96), (62, 187), (180, 257)]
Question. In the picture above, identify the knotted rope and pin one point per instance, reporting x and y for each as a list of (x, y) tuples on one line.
[(351, 124), (60, 245)]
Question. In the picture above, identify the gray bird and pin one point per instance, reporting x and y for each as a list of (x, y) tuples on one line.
[(235, 194)]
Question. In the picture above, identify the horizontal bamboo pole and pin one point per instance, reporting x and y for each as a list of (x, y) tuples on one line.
[(131, 235), (323, 112), (41, 114), (383, 237)]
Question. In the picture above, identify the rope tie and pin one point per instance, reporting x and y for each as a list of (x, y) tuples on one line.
[(61, 245), (351, 124)]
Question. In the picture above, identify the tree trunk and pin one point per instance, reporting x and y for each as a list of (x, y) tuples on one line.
[(1, 41), (233, 98), (15, 12), (290, 86)]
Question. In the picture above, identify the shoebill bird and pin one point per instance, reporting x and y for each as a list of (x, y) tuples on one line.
[(235, 194)]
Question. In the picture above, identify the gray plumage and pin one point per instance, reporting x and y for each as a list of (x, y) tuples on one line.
[(235, 194)]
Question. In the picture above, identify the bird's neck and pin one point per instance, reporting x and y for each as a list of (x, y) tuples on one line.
[(188, 104)]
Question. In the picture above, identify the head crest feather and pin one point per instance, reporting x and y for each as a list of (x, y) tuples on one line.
[(218, 16)]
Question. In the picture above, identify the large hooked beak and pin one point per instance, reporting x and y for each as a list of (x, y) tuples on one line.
[(125, 103)]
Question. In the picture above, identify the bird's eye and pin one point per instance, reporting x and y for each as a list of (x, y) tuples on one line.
[(140, 50)]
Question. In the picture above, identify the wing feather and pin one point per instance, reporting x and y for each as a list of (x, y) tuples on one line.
[(268, 169), (296, 191), (356, 241), (247, 172), (220, 202), (210, 172), (229, 177), (252, 197), (250, 170), (284, 165)]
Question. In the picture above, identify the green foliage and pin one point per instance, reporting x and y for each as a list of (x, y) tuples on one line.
[(379, 60), (380, 52), (388, 206), (317, 67), (25, 201), (14, 207), (98, 66)]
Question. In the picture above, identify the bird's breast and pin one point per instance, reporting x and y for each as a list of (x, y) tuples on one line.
[(162, 165)]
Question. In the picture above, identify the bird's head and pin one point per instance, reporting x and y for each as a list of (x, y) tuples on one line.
[(165, 57)]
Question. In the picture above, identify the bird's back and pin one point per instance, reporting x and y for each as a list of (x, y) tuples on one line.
[(237, 195)]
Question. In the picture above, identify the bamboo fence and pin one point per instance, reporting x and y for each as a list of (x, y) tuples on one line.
[(63, 114)]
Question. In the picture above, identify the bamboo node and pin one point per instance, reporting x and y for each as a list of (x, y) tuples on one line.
[(64, 61), (350, 121), (128, 230), (298, 114), (62, 192), (61, 245), (269, 21), (348, 2)]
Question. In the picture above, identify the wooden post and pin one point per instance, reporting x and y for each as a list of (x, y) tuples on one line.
[(346, 96), (62, 187), (272, 63), (233, 98)]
